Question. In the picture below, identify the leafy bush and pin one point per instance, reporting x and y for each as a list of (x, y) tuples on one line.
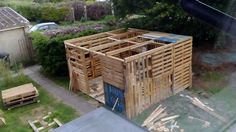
[(49, 13), (32, 13), (110, 20), (42, 13), (51, 52), (162, 15), (43, 1), (8, 80), (78, 10), (167, 18), (98, 10)]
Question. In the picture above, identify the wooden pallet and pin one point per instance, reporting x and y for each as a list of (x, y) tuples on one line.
[(19, 96), (43, 125), (148, 66)]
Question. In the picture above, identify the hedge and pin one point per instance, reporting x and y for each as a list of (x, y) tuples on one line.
[(78, 10), (52, 12), (98, 10), (169, 18), (51, 53), (43, 13)]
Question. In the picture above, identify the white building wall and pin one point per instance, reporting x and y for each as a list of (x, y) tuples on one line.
[(14, 42)]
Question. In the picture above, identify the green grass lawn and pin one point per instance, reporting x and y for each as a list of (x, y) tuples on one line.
[(64, 81), (211, 82), (17, 118)]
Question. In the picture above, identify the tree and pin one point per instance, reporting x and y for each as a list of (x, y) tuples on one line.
[(163, 15)]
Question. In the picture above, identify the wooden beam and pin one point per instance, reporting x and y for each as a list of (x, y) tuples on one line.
[(89, 42), (75, 40), (128, 59), (104, 46), (117, 31), (114, 52)]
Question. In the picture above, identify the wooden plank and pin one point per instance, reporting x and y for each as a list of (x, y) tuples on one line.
[(57, 121), (107, 45), (126, 49), (23, 90), (128, 59), (33, 126), (86, 38)]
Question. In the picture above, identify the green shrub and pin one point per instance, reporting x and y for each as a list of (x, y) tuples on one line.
[(9, 80), (50, 13), (41, 13), (43, 1), (163, 15), (51, 52), (98, 10), (32, 13), (168, 18)]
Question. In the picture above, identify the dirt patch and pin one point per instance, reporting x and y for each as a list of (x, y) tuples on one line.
[(209, 80)]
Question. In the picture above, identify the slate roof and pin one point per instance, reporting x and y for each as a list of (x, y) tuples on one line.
[(100, 120), (10, 18)]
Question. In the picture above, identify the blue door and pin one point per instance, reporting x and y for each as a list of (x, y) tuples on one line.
[(113, 93)]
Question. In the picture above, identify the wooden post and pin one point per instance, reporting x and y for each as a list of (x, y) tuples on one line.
[(85, 12)]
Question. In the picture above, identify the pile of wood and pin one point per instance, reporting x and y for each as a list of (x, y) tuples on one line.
[(42, 124), (159, 121), (196, 102), (19, 96)]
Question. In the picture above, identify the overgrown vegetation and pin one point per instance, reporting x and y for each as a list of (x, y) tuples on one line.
[(211, 82), (17, 118), (213, 76), (41, 13), (162, 15), (51, 51), (58, 10)]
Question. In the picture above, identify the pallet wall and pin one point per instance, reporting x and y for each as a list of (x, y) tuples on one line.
[(147, 66), (156, 75)]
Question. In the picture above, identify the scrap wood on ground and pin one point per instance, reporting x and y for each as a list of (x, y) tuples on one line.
[(159, 120), (196, 102), (43, 123)]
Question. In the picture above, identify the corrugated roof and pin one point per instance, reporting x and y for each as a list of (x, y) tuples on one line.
[(100, 120), (10, 18)]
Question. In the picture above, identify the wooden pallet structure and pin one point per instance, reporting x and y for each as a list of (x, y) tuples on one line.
[(43, 124), (145, 66), (18, 96)]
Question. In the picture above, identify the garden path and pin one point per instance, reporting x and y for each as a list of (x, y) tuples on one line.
[(78, 103)]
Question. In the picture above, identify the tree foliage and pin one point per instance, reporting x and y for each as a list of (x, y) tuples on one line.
[(163, 15)]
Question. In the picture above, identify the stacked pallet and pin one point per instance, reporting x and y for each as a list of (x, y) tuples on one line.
[(19, 96)]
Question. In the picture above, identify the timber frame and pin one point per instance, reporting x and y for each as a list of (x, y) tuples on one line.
[(148, 66)]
